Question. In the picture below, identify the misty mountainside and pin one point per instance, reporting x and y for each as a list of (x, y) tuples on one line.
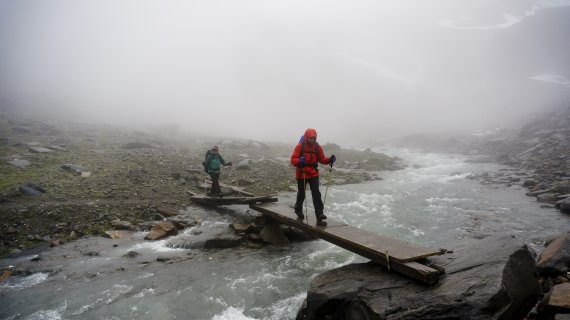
[(540, 148), (546, 132), (546, 142), (62, 180)]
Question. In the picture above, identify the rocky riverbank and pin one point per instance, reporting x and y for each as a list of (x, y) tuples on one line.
[(495, 278), (538, 154), (61, 181)]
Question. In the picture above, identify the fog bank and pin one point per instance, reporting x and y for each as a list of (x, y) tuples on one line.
[(267, 70)]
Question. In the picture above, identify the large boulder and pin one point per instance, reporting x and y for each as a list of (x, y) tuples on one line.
[(555, 259), (493, 278)]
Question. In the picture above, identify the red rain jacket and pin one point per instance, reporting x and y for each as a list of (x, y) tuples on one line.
[(310, 170)]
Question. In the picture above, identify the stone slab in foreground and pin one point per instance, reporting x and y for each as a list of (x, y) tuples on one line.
[(493, 278)]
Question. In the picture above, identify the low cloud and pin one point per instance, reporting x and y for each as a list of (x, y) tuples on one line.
[(509, 19), (267, 70), (552, 78)]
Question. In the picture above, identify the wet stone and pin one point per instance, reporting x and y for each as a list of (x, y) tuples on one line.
[(131, 254), (162, 259), (90, 253), (161, 230), (564, 205)]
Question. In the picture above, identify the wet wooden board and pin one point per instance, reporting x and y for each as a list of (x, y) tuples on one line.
[(396, 249), (396, 254), (238, 190), (229, 200)]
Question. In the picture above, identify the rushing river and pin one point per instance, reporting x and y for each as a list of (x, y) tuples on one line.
[(431, 203)]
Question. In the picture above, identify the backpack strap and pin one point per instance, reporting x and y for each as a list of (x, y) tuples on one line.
[(208, 157), (317, 151)]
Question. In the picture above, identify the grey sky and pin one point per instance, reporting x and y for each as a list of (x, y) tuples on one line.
[(268, 69)]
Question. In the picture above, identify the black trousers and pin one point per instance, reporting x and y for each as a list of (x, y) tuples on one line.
[(315, 193), (215, 183)]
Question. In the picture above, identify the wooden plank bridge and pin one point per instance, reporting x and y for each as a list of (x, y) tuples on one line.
[(229, 200), (396, 255)]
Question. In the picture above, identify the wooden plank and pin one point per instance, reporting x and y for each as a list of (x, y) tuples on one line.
[(402, 251), (238, 190), (362, 242), (397, 249), (230, 200)]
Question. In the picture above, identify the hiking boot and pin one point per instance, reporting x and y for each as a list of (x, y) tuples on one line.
[(300, 215), (320, 216)]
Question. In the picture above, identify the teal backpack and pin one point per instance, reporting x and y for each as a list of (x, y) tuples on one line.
[(204, 163)]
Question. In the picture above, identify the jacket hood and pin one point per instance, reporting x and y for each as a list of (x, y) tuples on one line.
[(310, 133)]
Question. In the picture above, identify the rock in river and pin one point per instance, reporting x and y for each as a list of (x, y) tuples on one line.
[(493, 278)]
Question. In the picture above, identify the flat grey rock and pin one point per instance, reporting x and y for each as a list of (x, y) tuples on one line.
[(19, 163), (40, 150), (74, 168)]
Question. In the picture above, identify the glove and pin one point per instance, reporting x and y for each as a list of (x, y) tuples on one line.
[(302, 161), (230, 163), (333, 159)]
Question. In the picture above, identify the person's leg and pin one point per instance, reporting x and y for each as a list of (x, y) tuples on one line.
[(300, 198), (317, 201), (216, 190)]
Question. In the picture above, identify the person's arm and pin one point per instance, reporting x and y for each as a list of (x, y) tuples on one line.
[(322, 159), (229, 163), (295, 159)]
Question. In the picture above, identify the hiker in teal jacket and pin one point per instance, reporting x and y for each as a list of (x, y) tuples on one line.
[(214, 161)]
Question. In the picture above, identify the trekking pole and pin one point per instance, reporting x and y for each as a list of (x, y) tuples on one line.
[(205, 186), (306, 200), (328, 183), (234, 173), (235, 176)]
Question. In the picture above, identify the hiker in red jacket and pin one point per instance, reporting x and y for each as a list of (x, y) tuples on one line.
[(306, 157)]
